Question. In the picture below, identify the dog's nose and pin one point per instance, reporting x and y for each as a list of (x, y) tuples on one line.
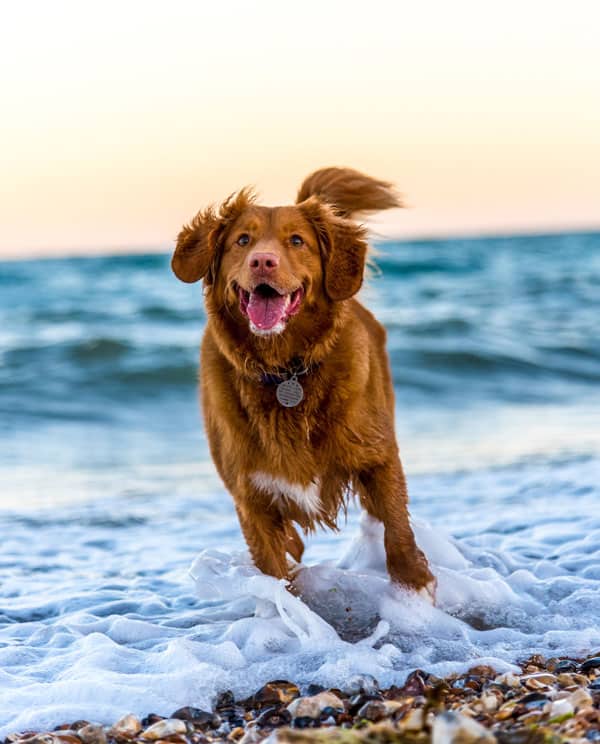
[(263, 262)]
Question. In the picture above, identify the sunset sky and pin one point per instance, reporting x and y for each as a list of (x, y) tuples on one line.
[(120, 119)]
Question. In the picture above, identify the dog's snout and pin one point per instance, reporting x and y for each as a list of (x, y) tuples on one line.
[(263, 262)]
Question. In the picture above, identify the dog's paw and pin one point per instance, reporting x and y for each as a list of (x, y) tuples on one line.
[(427, 592)]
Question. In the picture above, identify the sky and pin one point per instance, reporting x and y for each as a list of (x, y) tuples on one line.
[(119, 120)]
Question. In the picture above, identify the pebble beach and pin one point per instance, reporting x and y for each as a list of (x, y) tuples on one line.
[(550, 701)]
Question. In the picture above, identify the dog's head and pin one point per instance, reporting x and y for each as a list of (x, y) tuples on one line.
[(268, 268)]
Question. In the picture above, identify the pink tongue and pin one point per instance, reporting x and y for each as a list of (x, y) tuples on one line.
[(266, 312)]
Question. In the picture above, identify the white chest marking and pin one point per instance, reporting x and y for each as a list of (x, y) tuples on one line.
[(306, 497)]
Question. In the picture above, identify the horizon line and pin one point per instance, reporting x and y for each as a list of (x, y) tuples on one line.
[(138, 249)]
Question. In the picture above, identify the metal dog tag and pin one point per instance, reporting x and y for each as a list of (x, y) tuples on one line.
[(289, 392)]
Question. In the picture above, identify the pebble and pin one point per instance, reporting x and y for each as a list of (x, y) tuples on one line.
[(92, 734), (162, 729), (312, 707), (589, 664), (125, 728), (415, 683), (562, 707), (490, 702), (506, 711), (533, 700), (314, 690), (539, 681), (68, 737), (571, 679), (373, 710), (273, 717), (251, 736), (236, 733), (413, 720), (532, 718), (364, 683), (303, 722), (482, 670), (509, 679), (455, 728), (23, 736), (394, 707), (580, 698), (566, 665), (225, 700), (199, 718), (150, 719), (279, 691), (357, 701)]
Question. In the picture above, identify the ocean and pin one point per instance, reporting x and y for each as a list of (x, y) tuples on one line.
[(125, 585)]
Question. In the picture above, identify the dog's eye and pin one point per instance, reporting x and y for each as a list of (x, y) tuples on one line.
[(243, 240), (296, 241)]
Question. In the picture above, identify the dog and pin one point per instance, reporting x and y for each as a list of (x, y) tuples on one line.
[(295, 381)]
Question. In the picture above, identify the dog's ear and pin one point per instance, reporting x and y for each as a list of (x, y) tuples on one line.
[(345, 260), (196, 247), (343, 247), (199, 243)]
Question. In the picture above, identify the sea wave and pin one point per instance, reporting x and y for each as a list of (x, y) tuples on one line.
[(488, 319), (494, 317)]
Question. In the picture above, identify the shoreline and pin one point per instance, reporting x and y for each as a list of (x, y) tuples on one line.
[(550, 701)]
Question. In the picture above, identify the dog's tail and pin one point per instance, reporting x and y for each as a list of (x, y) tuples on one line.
[(348, 191)]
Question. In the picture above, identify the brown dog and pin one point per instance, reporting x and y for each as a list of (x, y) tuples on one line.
[(296, 387)]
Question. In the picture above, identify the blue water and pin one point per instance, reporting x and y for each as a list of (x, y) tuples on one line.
[(99, 355), (108, 492)]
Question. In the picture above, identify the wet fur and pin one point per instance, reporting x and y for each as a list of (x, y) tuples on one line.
[(342, 434)]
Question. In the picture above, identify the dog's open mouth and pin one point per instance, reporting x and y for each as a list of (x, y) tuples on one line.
[(267, 309)]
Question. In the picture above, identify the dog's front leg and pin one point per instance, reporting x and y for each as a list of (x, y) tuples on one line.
[(265, 533), (383, 494)]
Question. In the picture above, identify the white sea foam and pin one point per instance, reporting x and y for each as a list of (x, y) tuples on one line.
[(101, 617)]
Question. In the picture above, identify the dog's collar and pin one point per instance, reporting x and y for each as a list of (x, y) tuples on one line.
[(296, 368), (271, 379)]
